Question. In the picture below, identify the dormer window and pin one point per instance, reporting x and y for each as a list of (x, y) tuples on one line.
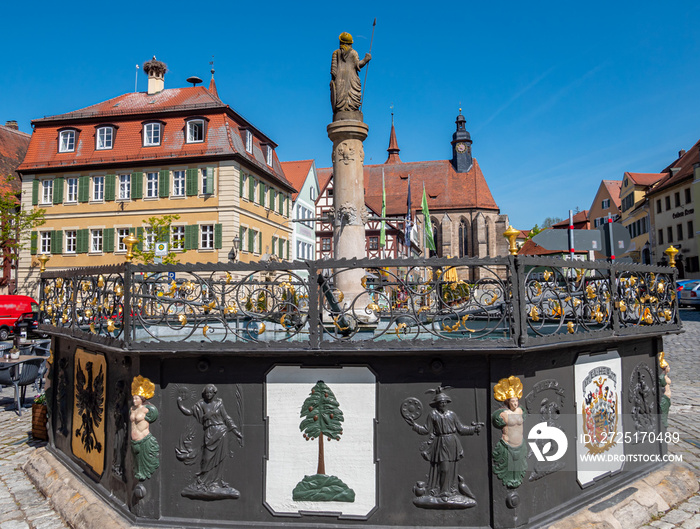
[(151, 134), (248, 141), (66, 142), (269, 155), (195, 131), (105, 137)]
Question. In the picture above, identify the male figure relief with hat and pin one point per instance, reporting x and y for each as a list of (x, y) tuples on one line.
[(443, 450), (346, 88)]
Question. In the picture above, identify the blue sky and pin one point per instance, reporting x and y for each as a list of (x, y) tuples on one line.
[(558, 95)]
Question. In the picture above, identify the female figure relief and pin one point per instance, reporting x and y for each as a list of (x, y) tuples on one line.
[(510, 453), (144, 447), (211, 414)]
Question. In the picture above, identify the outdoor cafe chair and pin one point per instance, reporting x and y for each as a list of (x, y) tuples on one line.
[(20, 376)]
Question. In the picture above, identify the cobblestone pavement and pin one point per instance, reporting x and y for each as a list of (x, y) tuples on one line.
[(22, 507), (683, 355)]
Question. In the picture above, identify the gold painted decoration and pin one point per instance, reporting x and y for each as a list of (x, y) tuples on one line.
[(100, 281), (143, 387), (228, 278), (88, 432), (547, 274), (622, 306), (538, 288), (118, 290), (261, 329), (508, 388), (205, 330), (570, 327), (663, 364), (110, 326), (534, 314), (590, 292), (183, 319)]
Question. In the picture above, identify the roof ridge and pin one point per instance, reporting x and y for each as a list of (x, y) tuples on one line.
[(15, 131)]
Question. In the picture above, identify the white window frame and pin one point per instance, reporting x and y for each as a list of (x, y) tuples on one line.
[(192, 136), (105, 138), (177, 238), (149, 134), (121, 234), (96, 241), (149, 238), (205, 176), (151, 185), (66, 141), (248, 141), (47, 191), (98, 188), (71, 190), (44, 242), (268, 155), (178, 183), (244, 239), (124, 187), (71, 246), (206, 236), (312, 193)]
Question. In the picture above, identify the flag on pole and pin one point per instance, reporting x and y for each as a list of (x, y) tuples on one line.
[(409, 223), (382, 232), (429, 242)]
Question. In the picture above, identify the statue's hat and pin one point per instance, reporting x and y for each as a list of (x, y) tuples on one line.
[(345, 38)]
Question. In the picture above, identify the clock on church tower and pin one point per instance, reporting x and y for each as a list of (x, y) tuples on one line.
[(461, 146)]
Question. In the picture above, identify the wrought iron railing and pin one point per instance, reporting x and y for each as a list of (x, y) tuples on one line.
[(446, 303)]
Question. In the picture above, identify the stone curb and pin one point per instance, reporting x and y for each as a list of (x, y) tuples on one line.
[(76, 503), (655, 493)]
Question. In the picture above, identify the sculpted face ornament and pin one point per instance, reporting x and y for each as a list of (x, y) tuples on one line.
[(345, 153)]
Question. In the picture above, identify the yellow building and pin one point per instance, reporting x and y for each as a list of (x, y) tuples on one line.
[(101, 171), (634, 207)]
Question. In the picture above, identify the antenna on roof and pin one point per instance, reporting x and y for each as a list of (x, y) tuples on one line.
[(194, 80)]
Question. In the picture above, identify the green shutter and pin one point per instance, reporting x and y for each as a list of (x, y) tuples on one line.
[(251, 189), (188, 238), (218, 243), (82, 241), (191, 182), (108, 240), (241, 181), (110, 185), (210, 181), (58, 190), (56, 242), (195, 237), (280, 250), (136, 185), (35, 192), (33, 240), (164, 184), (241, 242), (84, 189), (251, 240), (281, 205), (262, 194), (260, 241), (139, 236)]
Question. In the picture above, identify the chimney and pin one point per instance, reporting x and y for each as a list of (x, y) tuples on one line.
[(155, 70), (681, 152), (11, 124)]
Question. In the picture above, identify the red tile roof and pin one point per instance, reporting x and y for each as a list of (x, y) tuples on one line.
[(644, 179), (393, 149), (613, 187), (225, 133), (581, 222), (684, 165), (446, 189), (296, 173), (13, 147)]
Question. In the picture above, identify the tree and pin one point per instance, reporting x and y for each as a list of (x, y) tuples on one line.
[(533, 231), (16, 225), (550, 221), (322, 417), (159, 229)]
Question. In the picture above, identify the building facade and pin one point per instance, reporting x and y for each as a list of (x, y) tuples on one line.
[(13, 148), (606, 202), (101, 172), (672, 208), (302, 175)]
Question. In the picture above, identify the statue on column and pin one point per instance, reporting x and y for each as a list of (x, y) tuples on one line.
[(346, 88)]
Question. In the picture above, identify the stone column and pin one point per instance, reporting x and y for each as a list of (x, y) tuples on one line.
[(347, 136)]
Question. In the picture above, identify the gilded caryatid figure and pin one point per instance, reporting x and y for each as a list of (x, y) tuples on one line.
[(144, 447), (346, 88), (665, 383)]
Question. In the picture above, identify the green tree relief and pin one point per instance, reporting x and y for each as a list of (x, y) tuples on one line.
[(321, 417)]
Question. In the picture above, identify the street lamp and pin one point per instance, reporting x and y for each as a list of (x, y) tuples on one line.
[(233, 254)]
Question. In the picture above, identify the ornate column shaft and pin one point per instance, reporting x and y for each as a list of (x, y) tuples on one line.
[(349, 200)]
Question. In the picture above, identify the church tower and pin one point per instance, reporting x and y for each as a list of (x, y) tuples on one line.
[(461, 146)]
